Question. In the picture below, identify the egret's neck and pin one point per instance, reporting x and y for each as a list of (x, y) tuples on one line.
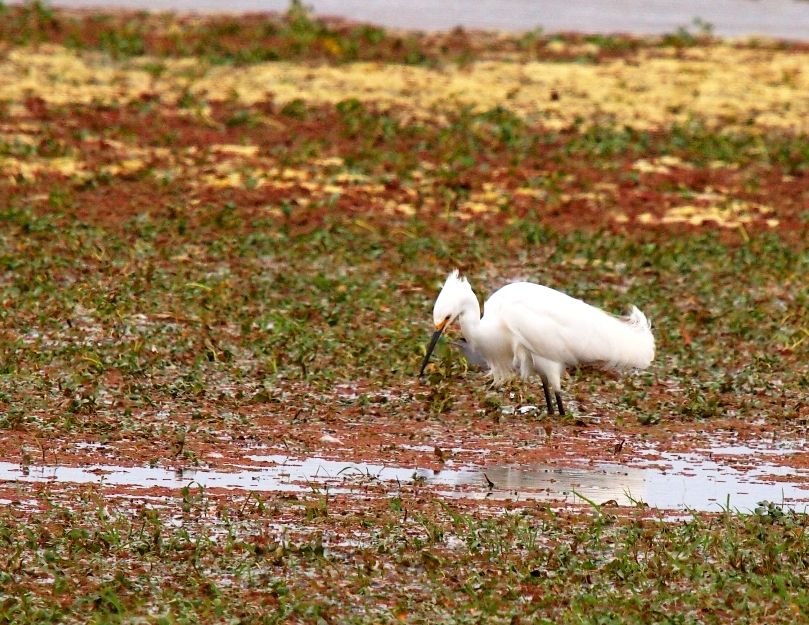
[(469, 319)]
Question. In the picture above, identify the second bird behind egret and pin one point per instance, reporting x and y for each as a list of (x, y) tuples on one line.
[(529, 328)]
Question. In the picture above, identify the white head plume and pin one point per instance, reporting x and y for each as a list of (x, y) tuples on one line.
[(452, 300)]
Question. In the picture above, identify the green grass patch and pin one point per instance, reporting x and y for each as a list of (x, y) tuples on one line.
[(220, 560)]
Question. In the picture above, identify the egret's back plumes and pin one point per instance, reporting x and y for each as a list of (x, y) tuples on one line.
[(569, 331)]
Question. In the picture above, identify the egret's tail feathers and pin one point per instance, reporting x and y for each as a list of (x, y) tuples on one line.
[(630, 341), (638, 319), (614, 342)]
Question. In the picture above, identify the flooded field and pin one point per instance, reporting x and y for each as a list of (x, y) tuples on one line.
[(707, 480), (221, 238)]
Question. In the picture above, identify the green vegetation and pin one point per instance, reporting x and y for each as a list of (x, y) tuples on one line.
[(294, 35), (90, 300), (255, 291), (210, 275), (227, 561), (297, 35)]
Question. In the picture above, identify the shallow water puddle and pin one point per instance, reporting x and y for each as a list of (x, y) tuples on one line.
[(675, 482), (691, 482)]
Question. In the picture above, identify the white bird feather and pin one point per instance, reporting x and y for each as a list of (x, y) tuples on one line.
[(529, 328)]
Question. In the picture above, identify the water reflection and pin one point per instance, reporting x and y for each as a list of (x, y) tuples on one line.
[(675, 482)]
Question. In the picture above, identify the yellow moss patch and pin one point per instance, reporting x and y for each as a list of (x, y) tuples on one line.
[(220, 181), (729, 214), (538, 194), (60, 76), (721, 83), (662, 165), (236, 150), (28, 169), (125, 167)]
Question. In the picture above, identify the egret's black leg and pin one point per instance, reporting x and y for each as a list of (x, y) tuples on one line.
[(547, 391), (559, 404)]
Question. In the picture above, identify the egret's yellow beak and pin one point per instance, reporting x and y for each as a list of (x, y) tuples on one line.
[(433, 342)]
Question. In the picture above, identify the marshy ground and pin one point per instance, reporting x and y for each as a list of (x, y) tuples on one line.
[(220, 240)]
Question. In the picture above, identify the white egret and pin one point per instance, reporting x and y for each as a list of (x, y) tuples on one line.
[(529, 328)]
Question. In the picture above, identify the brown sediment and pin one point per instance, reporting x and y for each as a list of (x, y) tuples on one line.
[(123, 162)]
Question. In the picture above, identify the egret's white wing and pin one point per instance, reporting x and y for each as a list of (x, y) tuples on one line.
[(541, 330), (561, 328)]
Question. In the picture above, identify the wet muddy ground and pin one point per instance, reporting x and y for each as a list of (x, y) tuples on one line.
[(220, 241), (707, 480), (705, 470)]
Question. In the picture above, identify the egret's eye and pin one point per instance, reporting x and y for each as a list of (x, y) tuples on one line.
[(447, 318)]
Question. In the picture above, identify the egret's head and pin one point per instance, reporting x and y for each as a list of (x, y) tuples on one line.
[(455, 299), (452, 300)]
